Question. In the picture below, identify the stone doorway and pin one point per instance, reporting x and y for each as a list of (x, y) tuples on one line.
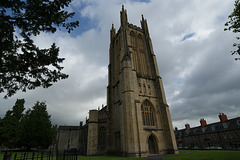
[(152, 145)]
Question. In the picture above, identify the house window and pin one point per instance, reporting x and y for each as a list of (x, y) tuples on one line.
[(225, 125), (148, 114), (238, 122), (224, 136), (236, 134), (213, 128)]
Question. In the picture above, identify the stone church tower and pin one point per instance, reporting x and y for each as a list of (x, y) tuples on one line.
[(136, 120), (139, 121)]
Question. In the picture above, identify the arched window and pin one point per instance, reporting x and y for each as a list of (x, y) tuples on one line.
[(134, 51), (102, 136), (142, 56), (117, 66), (148, 114), (133, 40)]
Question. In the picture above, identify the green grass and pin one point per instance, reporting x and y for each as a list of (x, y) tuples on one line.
[(194, 155), (206, 155), (108, 158)]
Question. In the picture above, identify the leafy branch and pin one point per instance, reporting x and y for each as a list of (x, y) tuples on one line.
[(234, 25), (23, 64)]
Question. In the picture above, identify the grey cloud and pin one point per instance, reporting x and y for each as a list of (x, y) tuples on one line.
[(200, 76)]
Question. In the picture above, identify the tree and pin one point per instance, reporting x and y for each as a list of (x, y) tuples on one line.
[(10, 132), (23, 64), (234, 25), (32, 129), (37, 127)]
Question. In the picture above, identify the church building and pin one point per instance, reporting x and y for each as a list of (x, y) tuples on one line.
[(136, 120)]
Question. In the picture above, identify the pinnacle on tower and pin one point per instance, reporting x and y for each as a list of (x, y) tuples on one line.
[(144, 25), (124, 20), (112, 31)]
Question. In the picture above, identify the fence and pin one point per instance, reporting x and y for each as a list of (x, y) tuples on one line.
[(66, 155)]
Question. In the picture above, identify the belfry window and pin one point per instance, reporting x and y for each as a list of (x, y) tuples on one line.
[(117, 47), (142, 55), (134, 50), (148, 114), (133, 40)]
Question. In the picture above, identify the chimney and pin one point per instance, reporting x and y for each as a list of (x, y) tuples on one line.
[(187, 126), (203, 122), (176, 129), (222, 117)]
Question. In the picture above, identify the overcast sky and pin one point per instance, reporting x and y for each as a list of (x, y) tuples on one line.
[(200, 76)]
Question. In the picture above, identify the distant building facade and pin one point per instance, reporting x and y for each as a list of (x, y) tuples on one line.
[(224, 134), (136, 120)]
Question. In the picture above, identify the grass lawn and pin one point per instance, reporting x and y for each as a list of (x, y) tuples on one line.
[(108, 158), (194, 155), (206, 155)]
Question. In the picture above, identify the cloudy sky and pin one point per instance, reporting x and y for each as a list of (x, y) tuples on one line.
[(200, 76)]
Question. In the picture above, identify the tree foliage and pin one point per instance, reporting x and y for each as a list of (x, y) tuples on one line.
[(37, 127), (10, 125), (234, 25), (30, 129), (23, 64)]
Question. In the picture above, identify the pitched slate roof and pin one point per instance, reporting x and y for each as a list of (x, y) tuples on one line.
[(231, 124)]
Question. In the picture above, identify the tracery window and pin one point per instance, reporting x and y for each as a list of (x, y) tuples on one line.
[(117, 47), (134, 51), (148, 114), (142, 56), (102, 136), (133, 40)]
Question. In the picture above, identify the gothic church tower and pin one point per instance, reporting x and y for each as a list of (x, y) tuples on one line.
[(139, 121)]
